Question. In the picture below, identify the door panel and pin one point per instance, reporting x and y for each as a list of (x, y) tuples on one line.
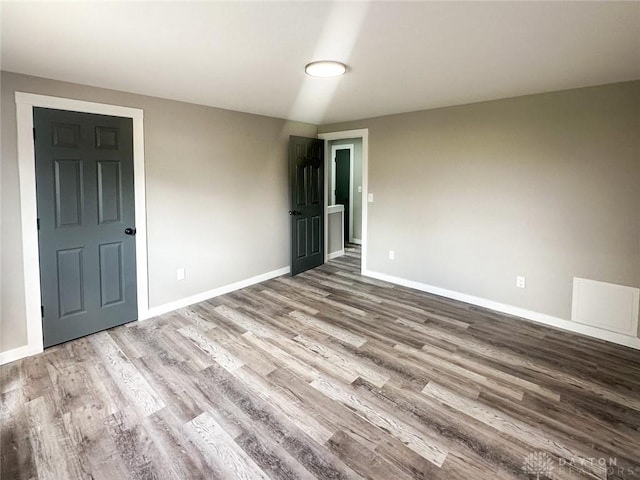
[(301, 227), (70, 281), (107, 138), (109, 191), (111, 274), (68, 192), (306, 179), (65, 135), (316, 186), (85, 195), (315, 234)]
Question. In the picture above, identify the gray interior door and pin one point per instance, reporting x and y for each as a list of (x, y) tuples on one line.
[(343, 181), (306, 180), (85, 194)]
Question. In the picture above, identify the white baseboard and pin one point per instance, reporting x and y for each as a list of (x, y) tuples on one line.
[(201, 297), (620, 339), (357, 241), (18, 353), (335, 254)]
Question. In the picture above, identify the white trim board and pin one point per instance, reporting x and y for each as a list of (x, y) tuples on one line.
[(336, 254), (620, 339), (343, 135), (201, 297), (25, 102), (18, 353), (331, 209)]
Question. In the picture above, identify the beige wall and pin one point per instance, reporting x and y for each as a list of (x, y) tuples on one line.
[(546, 186), (217, 195)]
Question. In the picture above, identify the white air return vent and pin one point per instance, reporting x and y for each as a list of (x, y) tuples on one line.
[(606, 305)]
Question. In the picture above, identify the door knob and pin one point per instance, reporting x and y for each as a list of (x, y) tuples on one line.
[(295, 212), (130, 231)]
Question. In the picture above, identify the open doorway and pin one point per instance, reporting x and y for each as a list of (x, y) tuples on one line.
[(346, 160), (346, 183)]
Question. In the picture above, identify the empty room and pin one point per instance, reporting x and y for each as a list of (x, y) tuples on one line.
[(319, 240)]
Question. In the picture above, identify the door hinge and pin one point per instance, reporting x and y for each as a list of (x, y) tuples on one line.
[(42, 310), (38, 223), (34, 133)]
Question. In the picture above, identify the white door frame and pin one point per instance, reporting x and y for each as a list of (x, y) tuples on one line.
[(334, 149), (25, 102), (327, 137)]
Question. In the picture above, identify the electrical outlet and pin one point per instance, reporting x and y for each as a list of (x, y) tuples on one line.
[(392, 255), (370, 198), (180, 274), (521, 282)]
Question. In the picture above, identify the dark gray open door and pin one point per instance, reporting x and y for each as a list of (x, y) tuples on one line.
[(84, 175), (306, 180)]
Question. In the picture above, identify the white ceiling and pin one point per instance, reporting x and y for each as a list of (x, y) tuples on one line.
[(250, 56)]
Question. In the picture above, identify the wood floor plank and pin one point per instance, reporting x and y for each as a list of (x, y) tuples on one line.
[(220, 354), (336, 416), (367, 463), (476, 441), (329, 328), (452, 368), (132, 384), (487, 370), (417, 442), (11, 377), (183, 458), (272, 424), (221, 451), (283, 300), (91, 439), (346, 362), (16, 454), (52, 448), (134, 446), (289, 405), (510, 425)]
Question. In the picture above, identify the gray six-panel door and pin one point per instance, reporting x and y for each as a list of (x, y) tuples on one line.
[(85, 194)]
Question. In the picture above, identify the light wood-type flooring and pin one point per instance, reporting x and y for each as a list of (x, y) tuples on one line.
[(326, 375)]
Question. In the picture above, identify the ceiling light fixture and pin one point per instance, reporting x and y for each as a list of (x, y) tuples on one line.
[(325, 69)]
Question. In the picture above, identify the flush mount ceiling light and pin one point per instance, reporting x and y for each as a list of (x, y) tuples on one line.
[(325, 69)]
